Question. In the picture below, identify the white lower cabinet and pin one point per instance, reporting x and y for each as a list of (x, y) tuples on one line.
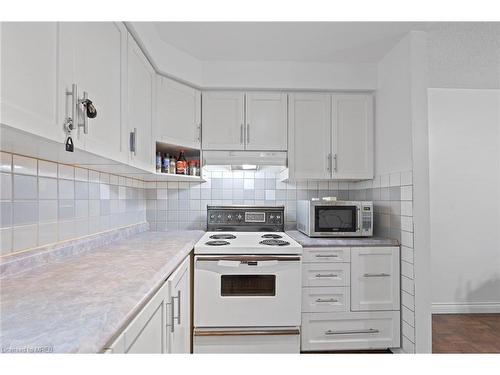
[(350, 298), (350, 331), (164, 323)]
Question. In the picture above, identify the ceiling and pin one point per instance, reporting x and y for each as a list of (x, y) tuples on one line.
[(329, 42)]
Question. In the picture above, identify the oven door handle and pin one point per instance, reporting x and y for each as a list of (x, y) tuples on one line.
[(249, 258)]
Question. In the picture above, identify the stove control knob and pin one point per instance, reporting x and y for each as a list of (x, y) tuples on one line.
[(212, 217), (229, 217), (239, 217)]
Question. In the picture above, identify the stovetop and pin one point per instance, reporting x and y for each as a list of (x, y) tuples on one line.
[(247, 243)]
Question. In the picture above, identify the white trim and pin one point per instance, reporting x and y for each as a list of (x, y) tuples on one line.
[(466, 308)]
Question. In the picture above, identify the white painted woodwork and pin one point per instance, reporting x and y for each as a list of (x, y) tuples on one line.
[(352, 136), (266, 121), (326, 299), (29, 63), (140, 79), (179, 338), (223, 114), (93, 56), (178, 113), (350, 331), (309, 136), (375, 278), (325, 274), (326, 254)]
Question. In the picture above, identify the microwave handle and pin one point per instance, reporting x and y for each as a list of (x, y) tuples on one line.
[(358, 229)]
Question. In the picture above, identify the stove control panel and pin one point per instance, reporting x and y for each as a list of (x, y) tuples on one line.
[(244, 217)]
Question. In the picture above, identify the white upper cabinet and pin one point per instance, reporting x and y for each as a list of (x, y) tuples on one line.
[(352, 136), (223, 116), (330, 136), (309, 135), (93, 55), (140, 79), (266, 121), (29, 53), (178, 113), (237, 121)]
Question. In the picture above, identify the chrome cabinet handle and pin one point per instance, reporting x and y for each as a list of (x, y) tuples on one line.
[(241, 133), (248, 133), (348, 332), (321, 300), (329, 162), (71, 120), (85, 124), (133, 141), (326, 275), (199, 132), (327, 256), (376, 275), (335, 162), (173, 318)]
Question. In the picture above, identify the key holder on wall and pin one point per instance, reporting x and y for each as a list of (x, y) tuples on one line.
[(79, 107)]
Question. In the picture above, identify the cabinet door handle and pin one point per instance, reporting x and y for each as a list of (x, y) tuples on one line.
[(327, 256), (376, 275), (173, 318), (321, 300), (199, 132), (83, 103), (133, 141), (248, 133), (241, 133), (328, 162), (354, 331), (319, 275), (335, 162)]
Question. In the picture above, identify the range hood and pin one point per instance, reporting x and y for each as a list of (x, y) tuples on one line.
[(240, 158)]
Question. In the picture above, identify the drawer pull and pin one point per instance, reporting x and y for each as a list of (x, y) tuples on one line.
[(349, 332), (376, 275), (319, 275), (327, 256), (327, 300)]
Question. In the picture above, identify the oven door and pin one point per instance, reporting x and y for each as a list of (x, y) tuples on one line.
[(336, 220), (247, 291)]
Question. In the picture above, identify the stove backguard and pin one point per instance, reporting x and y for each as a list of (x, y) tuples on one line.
[(246, 218)]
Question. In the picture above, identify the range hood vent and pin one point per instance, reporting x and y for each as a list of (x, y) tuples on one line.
[(258, 158)]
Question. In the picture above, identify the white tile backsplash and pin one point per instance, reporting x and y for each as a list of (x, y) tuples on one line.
[(24, 165)]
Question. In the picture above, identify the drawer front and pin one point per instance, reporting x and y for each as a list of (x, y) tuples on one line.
[(326, 254), (350, 331), (325, 274), (230, 341), (326, 299)]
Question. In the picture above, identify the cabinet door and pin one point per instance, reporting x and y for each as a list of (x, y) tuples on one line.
[(147, 332), (29, 78), (179, 334), (139, 106), (178, 113), (309, 136), (93, 57), (352, 136), (223, 120), (266, 121), (374, 278)]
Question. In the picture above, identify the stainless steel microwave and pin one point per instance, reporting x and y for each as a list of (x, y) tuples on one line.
[(329, 218)]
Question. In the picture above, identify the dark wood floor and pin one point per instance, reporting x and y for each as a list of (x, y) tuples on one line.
[(466, 333)]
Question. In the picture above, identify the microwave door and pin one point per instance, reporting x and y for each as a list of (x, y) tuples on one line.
[(336, 219)]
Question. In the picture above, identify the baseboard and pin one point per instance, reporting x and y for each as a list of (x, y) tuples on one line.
[(466, 308)]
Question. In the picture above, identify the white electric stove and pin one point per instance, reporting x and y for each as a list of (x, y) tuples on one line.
[(247, 283)]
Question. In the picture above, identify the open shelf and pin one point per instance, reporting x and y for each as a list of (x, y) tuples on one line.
[(173, 150)]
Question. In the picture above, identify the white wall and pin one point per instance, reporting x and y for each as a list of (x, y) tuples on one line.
[(393, 111), (464, 132)]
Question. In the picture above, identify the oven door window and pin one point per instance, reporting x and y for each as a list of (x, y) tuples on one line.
[(248, 285), (335, 219)]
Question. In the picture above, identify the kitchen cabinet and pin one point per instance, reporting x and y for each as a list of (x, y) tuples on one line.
[(350, 298), (29, 68), (352, 136), (255, 121), (223, 124), (374, 278), (178, 113), (140, 79), (330, 136), (164, 324), (309, 132), (266, 121), (93, 55)]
